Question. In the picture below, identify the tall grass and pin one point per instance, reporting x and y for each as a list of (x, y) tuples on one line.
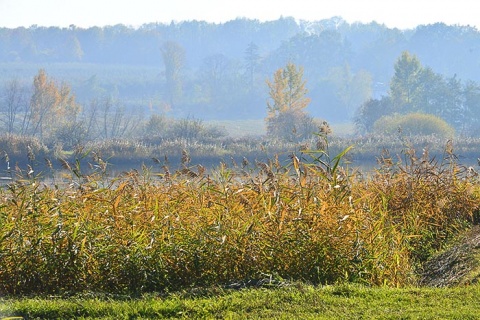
[(308, 219)]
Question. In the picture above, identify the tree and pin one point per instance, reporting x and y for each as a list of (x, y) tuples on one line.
[(173, 55), (351, 89), (72, 49), (114, 121), (431, 93), (286, 116), (405, 83), (454, 113), (216, 80), (215, 68), (51, 106), (252, 62), (471, 93), (287, 90), (13, 106), (370, 111)]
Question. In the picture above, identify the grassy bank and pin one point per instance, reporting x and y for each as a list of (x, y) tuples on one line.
[(297, 301)]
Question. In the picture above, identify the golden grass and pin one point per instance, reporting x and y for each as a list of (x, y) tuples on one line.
[(309, 220)]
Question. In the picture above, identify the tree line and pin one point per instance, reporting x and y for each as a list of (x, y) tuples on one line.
[(419, 100), (415, 88), (219, 70), (49, 109)]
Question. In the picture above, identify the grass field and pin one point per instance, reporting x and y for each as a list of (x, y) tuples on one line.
[(296, 301)]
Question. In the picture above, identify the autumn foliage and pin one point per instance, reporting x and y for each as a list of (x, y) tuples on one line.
[(286, 115), (51, 105)]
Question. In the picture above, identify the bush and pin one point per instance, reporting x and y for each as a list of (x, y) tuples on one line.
[(414, 124), (195, 130), (22, 149), (68, 134), (291, 126), (159, 129), (370, 111), (156, 126)]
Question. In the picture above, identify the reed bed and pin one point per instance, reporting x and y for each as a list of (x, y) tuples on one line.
[(309, 219)]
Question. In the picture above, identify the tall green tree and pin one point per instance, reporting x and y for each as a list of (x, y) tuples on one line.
[(352, 89), (370, 111), (431, 92), (405, 83)]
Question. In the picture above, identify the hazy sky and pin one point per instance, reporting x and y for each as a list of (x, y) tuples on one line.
[(84, 13)]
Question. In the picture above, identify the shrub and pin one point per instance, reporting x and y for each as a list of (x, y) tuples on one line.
[(414, 124), (370, 111), (156, 126), (291, 125), (68, 134), (194, 130), (22, 149)]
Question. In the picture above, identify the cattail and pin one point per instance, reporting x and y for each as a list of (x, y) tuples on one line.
[(30, 154), (303, 147), (29, 171), (167, 173), (6, 157), (65, 164), (449, 147), (244, 201), (265, 168), (201, 170), (276, 162), (95, 156), (246, 163), (325, 128), (48, 163), (234, 163), (185, 157), (102, 165), (321, 144), (188, 172)]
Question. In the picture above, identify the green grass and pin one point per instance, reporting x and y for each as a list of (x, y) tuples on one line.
[(298, 301)]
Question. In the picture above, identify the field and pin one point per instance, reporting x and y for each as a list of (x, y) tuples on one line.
[(159, 241), (296, 301)]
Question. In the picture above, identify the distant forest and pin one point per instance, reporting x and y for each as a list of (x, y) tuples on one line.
[(218, 71)]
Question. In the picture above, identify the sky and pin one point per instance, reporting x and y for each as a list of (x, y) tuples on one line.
[(402, 14)]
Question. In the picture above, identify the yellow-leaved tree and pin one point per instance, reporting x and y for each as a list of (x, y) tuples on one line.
[(286, 116), (51, 106)]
